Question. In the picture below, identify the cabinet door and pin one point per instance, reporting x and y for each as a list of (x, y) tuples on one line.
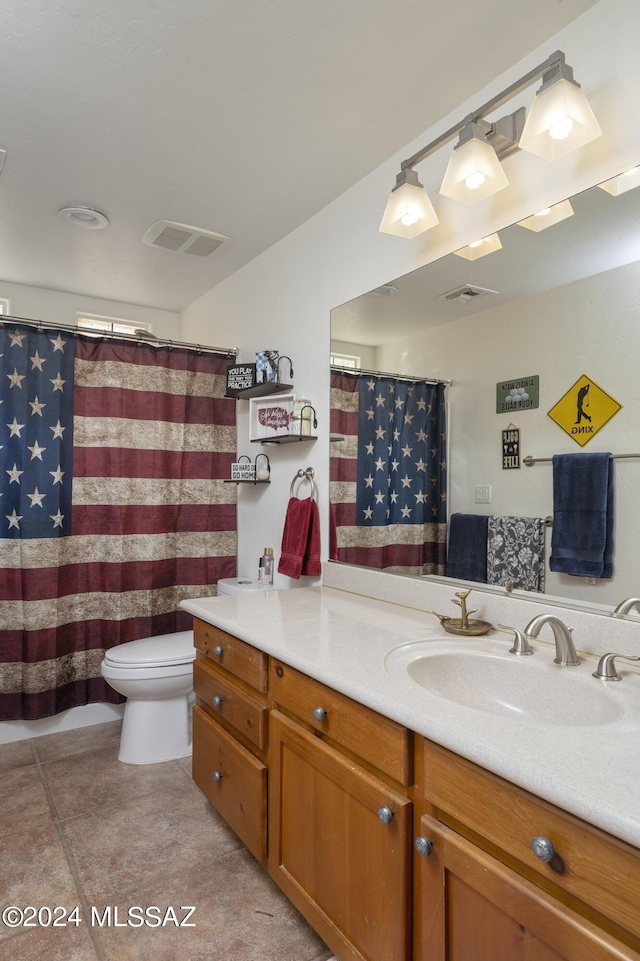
[(233, 780), (346, 870), (476, 909)]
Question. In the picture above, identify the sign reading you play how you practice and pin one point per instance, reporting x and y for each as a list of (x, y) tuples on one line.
[(584, 410)]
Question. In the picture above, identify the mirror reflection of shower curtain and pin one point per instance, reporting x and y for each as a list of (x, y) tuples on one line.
[(389, 472)]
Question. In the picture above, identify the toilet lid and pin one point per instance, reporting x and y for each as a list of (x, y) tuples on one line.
[(162, 650)]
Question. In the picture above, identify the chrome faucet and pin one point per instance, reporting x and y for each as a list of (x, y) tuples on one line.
[(565, 650), (625, 607)]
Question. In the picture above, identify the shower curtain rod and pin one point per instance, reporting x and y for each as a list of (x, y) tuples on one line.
[(143, 337), (382, 373)]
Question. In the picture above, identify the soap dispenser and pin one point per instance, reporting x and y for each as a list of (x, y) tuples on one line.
[(266, 568)]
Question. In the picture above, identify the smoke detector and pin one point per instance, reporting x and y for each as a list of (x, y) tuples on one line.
[(88, 218), (182, 239), (465, 294)]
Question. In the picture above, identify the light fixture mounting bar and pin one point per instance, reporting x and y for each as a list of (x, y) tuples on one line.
[(556, 60)]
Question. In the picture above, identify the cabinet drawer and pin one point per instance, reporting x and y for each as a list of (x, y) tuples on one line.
[(244, 713), (473, 906), (236, 656), (592, 866), (383, 743), (239, 791)]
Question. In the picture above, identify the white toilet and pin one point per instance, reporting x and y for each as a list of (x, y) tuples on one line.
[(155, 674)]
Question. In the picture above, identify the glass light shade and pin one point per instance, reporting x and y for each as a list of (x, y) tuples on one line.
[(473, 173), (409, 212), (623, 182), (480, 248), (559, 121), (548, 217)]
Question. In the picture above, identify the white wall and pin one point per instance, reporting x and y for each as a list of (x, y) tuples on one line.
[(583, 327), (283, 298), (59, 307)]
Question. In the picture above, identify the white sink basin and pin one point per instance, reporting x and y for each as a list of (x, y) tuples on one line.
[(482, 675)]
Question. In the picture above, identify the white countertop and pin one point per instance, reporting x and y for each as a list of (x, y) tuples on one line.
[(342, 639)]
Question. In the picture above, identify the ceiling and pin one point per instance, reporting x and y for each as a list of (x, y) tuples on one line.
[(243, 117)]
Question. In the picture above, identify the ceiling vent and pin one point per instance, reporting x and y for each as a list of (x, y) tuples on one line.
[(182, 239), (465, 294)]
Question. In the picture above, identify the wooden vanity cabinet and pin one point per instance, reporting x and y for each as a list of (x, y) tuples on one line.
[(483, 892), (339, 834), (230, 732), (344, 786)]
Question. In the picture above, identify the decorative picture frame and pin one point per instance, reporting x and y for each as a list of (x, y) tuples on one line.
[(270, 416)]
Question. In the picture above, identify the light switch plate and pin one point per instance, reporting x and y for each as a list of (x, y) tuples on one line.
[(483, 494)]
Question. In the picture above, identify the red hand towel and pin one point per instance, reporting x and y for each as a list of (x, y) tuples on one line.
[(295, 536), (311, 561)]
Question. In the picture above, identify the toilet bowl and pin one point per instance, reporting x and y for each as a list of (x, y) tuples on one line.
[(155, 674)]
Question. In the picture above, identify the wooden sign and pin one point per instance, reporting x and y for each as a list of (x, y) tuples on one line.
[(240, 377), (510, 448)]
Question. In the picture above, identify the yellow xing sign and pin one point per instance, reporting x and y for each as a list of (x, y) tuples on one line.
[(584, 410)]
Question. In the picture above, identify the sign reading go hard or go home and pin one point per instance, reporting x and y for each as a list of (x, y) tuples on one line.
[(584, 410)]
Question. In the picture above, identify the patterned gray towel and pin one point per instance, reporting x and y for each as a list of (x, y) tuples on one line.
[(515, 552)]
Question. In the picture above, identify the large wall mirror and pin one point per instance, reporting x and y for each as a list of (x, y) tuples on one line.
[(554, 303)]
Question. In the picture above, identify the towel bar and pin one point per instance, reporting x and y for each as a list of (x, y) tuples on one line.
[(530, 461)]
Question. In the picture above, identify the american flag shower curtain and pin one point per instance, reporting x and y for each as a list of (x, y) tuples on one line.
[(113, 506), (388, 475)]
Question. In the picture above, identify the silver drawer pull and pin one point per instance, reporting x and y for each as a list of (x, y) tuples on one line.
[(319, 713), (385, 814), (543, 849), (423, 846), (216, 701), (217, 651), (216, 776)]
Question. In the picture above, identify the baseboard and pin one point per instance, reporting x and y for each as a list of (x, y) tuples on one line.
[(76, 717)]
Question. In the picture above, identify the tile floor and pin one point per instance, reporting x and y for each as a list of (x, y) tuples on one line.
[(78, 827)]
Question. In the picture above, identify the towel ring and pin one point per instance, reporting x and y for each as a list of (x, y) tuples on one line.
[(308, 476)]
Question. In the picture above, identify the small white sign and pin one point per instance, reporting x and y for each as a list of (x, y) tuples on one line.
[(242, 471)]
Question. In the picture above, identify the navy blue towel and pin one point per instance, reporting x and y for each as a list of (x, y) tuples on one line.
[(467, 553), (582, 539)]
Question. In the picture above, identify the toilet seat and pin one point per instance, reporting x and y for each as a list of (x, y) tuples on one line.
[(164, 650)]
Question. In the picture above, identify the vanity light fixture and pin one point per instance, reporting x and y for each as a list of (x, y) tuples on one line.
[(474, 171), (480, 248), (623, 182), (409, 211), (548, 217), (560, 120)]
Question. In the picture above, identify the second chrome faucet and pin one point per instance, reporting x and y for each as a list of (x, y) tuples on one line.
[(565, 649)]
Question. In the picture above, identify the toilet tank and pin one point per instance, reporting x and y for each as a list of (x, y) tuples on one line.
[(241, 585)]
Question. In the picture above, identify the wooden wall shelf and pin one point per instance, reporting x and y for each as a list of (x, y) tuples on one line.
[(259, 390)]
